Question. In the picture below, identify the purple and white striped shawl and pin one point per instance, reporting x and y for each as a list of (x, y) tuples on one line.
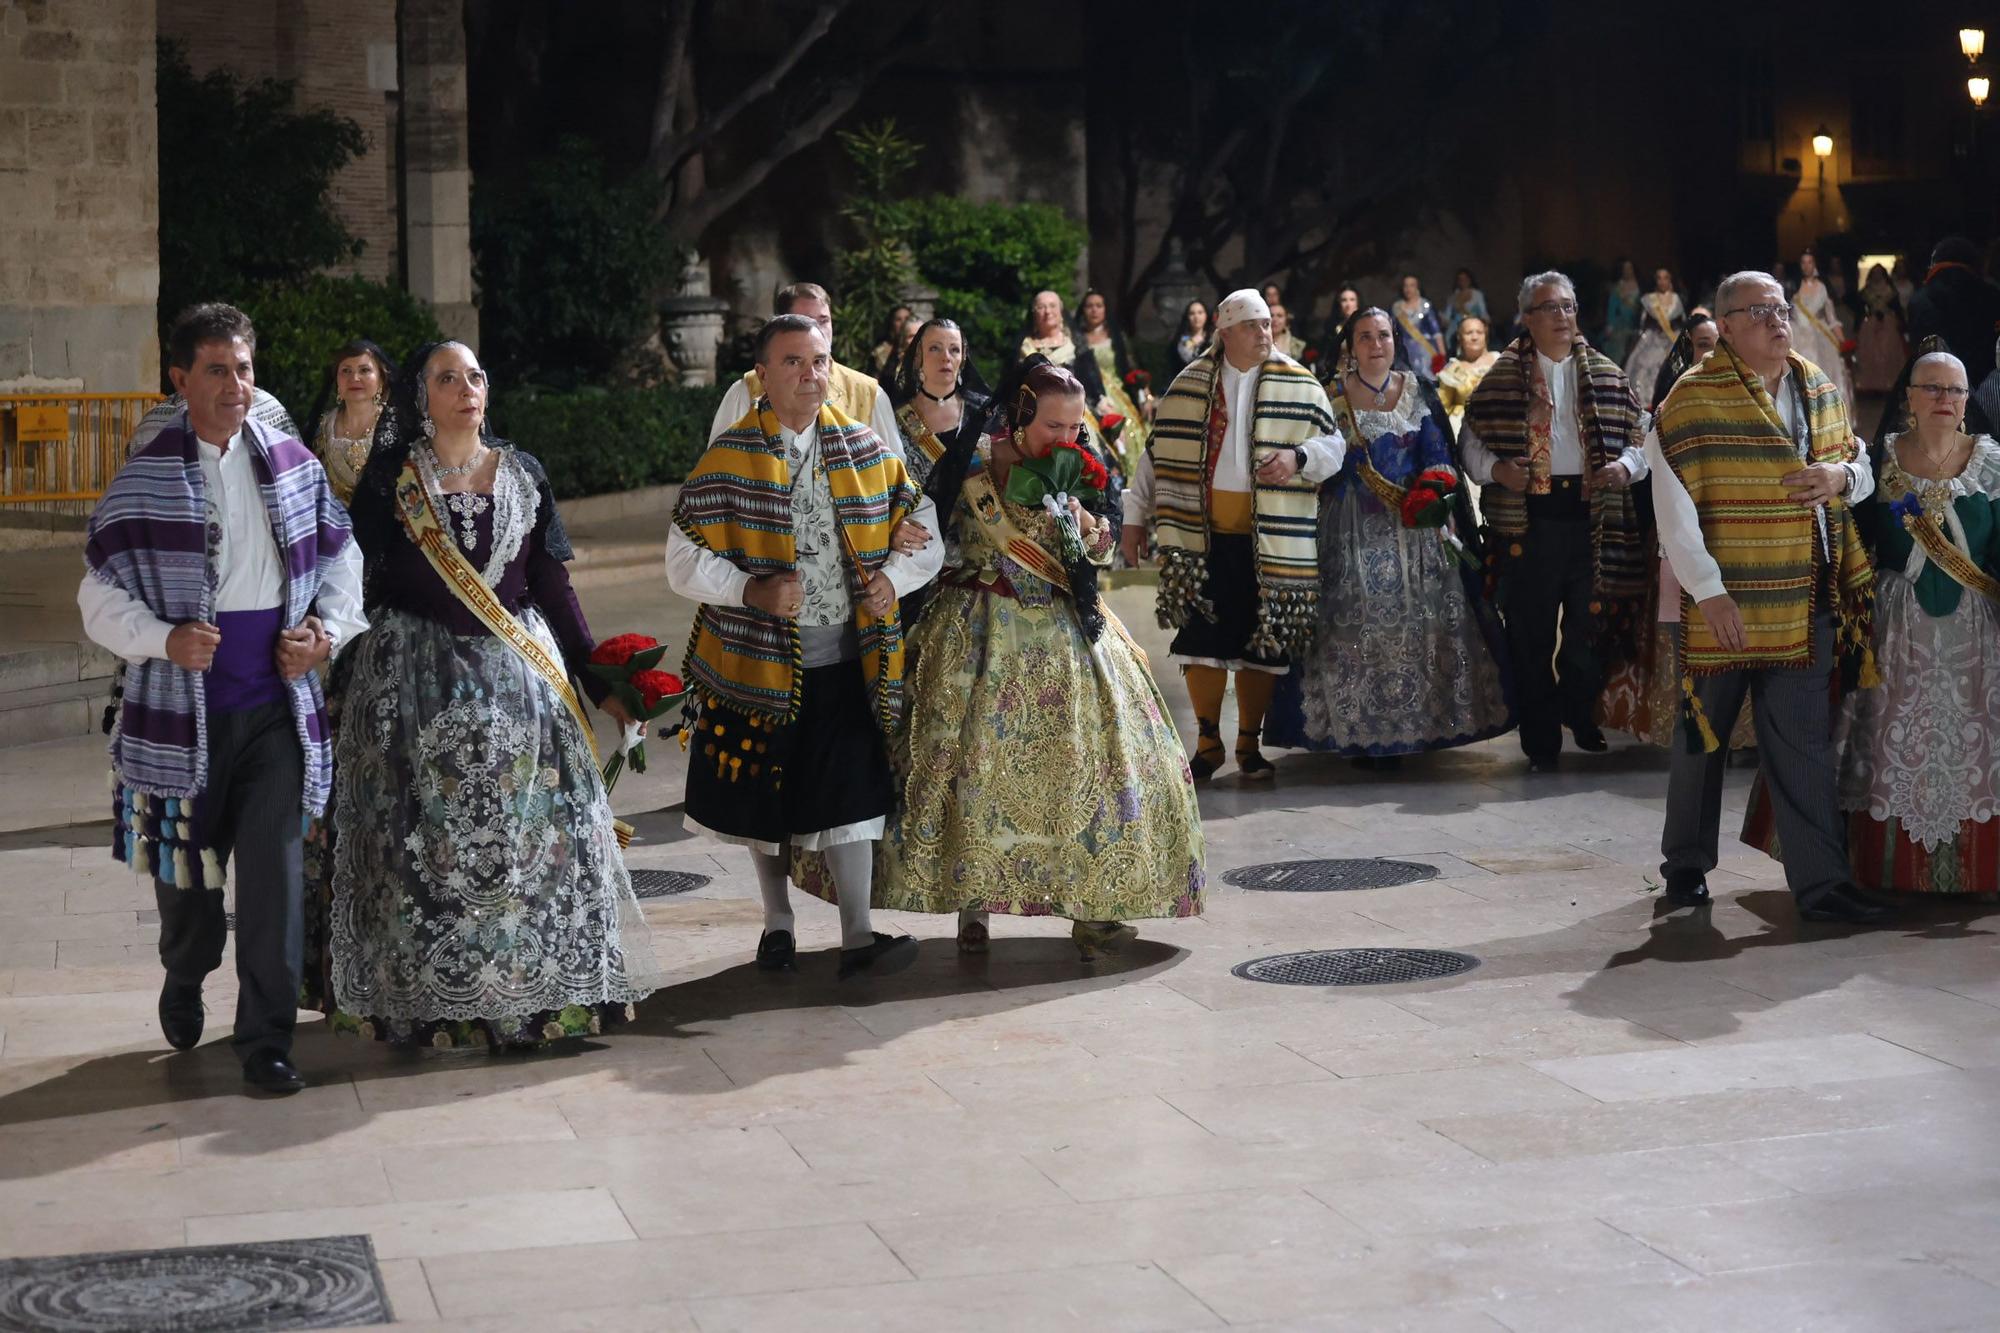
[(149, 537)]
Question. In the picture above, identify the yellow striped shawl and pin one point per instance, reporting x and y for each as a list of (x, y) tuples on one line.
[(1291, 408), (1722, 435), (849, 390), (737, 503)]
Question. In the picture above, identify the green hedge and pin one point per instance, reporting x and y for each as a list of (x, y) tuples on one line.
[(300, 324), (595, 441), (987, 261)]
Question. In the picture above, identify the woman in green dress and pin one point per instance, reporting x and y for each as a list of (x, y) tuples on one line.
[(1043, 775)]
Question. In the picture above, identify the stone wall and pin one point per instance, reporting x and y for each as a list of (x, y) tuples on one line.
[(342, 56), (79, 229)]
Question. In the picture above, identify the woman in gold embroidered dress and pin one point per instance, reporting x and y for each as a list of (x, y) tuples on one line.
[(1043, 773), (350, 402)]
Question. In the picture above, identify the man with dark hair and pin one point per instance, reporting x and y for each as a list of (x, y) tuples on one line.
[(856, 395), (786, 535), (1958, 304), (222, 570)]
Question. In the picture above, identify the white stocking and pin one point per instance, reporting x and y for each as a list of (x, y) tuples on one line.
[(772, 872), (853, 865)]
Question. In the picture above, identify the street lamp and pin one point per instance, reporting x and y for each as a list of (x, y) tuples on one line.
[(1972, 42), (1978, 85)]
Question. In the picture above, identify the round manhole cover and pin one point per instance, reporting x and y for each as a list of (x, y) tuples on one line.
[(1355, 967), (1328, 876), (665, 883)]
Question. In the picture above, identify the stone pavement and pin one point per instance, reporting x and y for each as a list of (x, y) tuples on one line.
[(1738, 1124)]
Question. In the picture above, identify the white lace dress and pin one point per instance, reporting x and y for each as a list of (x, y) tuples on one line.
[(1920, 754)]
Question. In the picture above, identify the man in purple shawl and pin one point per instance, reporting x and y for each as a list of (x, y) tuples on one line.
[(221, 570)]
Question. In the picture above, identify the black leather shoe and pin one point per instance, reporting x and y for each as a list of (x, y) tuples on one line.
[(1544, 763), (1686, 890), (181, 1014), (1849, 905), (887, 954), (776, 951), (1589, 739), (268, 1071)]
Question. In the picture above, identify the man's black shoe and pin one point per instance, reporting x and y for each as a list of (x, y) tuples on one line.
[(1686, 890), (1590, 739), (885, 955), (1849, 905), (776, 951), (181, 1014), (1544, 763), (267, 1071)]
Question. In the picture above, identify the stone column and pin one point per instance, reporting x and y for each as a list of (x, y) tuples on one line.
[(437, 180), (80, 177)]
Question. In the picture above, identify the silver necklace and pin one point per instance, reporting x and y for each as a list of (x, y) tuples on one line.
[(466, 468)]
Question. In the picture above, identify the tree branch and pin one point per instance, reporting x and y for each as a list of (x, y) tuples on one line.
[(666, 156)]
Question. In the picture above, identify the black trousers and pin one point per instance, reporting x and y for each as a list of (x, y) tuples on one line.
[(1546, 600), (250, 818)]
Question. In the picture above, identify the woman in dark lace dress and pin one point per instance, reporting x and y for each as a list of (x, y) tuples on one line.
[(474, 892)]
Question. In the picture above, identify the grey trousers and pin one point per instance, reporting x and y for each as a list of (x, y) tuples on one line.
[(1795, 758), (251, 819)]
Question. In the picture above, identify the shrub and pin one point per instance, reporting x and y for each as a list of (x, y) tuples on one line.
[(875, 274), (987, 261), (299, 324), (595, 441), (245, 199), (569, 267)]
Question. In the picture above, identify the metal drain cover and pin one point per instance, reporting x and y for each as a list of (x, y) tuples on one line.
[(665, 883), (1355, 967), (1328, 876)]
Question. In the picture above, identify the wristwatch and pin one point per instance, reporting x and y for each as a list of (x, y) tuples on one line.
[(1299, 456)]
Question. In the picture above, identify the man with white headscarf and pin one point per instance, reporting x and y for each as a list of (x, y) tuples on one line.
[(1229, 487)]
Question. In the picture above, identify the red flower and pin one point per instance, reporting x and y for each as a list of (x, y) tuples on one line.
[(1138, 379), (1095, 474), (1109, 422), (655, 686), (1437, 362), (1847, 348), (1312, 356), (619, 650)]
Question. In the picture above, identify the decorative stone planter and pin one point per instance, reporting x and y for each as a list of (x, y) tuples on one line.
[(691, 325)]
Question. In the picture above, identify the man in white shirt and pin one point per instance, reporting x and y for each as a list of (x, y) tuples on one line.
[(1552, 434), (1752, 397), (856, 394), (222, 570), (1247, 435), (797, 657)]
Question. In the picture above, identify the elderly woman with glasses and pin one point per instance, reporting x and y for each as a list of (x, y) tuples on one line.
[(1920, 755)]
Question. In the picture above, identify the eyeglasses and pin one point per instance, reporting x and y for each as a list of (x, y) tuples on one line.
[(1950, 393), (1763, 313), (1553, 308)]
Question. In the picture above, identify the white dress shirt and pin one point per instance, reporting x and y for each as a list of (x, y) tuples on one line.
[(1680, 524), (250, 576), (1324, 453), (881, 419), (700, 575), (1565, 437)]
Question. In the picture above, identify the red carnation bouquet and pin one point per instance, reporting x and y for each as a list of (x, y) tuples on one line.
[(1070, 471), (1427, 502), (1110, 426), (629, 664), (1138, 381), (1438, 360)]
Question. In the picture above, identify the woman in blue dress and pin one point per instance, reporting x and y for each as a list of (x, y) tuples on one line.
[(1409, 651), (1621, 314)]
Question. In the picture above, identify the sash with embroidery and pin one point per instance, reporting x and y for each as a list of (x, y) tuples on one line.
[(1658, 310), (1819, 325), (1022, 549), (1410, 327), (918, 432), (420, 524), (1940, 549)]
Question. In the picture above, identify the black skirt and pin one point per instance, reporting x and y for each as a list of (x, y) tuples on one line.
[(1231, 588), (751, 778)]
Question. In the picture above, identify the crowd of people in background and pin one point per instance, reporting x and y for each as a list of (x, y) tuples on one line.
[(356, 668)]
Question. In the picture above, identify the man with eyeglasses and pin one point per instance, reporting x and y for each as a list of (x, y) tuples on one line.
[(1553, 434), (1755, 471)]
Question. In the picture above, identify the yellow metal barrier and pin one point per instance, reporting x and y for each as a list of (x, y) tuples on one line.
[(59, 451)]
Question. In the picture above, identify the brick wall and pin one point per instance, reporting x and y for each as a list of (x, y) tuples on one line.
[(79, 230), (342, 56)]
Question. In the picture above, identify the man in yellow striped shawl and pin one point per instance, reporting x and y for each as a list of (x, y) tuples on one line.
[(1755, 470), (791, 533), (859, 397), (1230, 486)]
